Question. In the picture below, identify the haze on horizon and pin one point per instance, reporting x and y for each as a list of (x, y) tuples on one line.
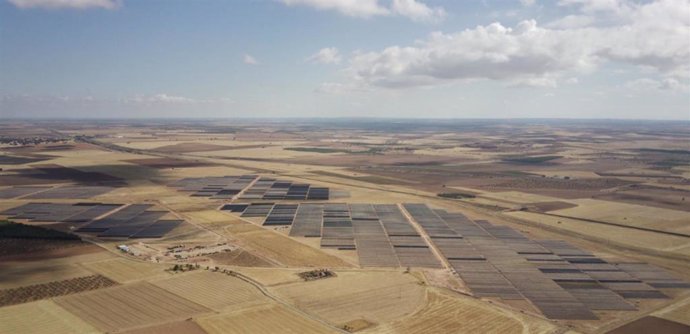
[(612, 59)]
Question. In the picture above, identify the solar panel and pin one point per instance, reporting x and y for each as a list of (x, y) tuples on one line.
[(158, 229)]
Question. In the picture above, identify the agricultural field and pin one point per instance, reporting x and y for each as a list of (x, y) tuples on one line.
[(130, 306), (41, 317), (266, 318), (424, 228), (444, 313), (53, 289), (123, 271), (216, 291), (377, 297)]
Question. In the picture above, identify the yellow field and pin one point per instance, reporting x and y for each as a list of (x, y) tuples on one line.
[(271, 276), (15, 274), (375, 296), (456, 314), (213, 290), (608, 233), (129, 306), (518, 197), (281, 248), (123, 270), (678, 312), (41, 317), (629, 214), (267, 318)]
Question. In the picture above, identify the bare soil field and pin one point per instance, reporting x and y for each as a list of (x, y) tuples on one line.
[(123, 270), (677, 312), (14, 274), (179, 327), (552, 206), (447, 313), (42, 317), (629, 214), (282, 248), (266, 318), (612, 234), (241, 258), (650, 324), (31, 293), (191, 147), (21, 246), (168, 163), (669, 198), (129, 306), (214, 290), (377, 297)]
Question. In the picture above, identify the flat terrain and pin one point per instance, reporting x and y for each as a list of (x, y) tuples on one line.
[(602, 193), (377, 297), (214, 290), (125, 307), (267, 318)]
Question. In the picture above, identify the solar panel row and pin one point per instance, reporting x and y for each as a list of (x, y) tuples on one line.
[(129, 221), (281, 214), (272, 189)]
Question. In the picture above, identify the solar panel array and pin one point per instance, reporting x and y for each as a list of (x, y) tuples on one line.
[(19, 191), (281, 214), (381, 234), (561, 280), (337, 231), (221, 187), (262, 188), (307, 221), (69, 192), (272, 189), (257, 210), (132, 221)]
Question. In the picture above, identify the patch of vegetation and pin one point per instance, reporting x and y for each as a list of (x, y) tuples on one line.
[(371, 150), (532, 160), (184, 267), (318, 149), (661, 150), (316, 274), (456, 195), (10, 229)]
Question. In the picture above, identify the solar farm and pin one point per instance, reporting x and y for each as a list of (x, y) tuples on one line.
[(250, 187), (182, 228), (61, 192), (559, 279), (102, 220)]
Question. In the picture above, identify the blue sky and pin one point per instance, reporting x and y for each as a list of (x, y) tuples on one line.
[(335, 58)]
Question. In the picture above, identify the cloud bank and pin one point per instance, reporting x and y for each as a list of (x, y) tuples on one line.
[(653, 36)]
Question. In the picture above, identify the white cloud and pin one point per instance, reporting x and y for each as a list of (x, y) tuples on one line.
[(598, 5), (160, 98), (571, 22), (249, 60), (528, 2), (356, 8), (417, 11), (325, 56), (412, 9), (647, 85), (654, 36), (74, 4)]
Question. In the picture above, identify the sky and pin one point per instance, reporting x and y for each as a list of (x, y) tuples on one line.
[(611, 59)]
